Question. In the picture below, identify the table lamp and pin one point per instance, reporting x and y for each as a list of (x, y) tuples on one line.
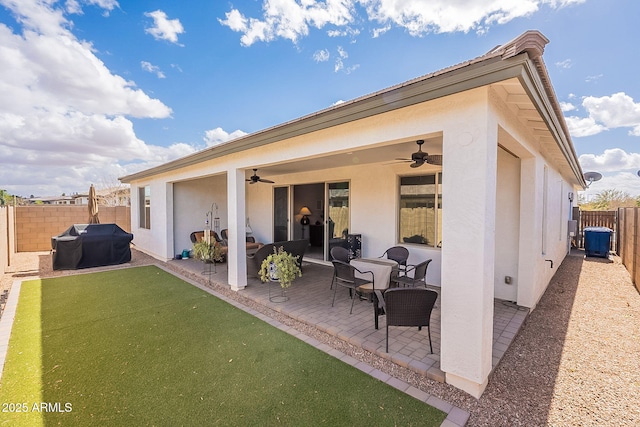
[(305, 212)]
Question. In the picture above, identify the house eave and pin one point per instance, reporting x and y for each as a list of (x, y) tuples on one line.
[(498, 65), (397, 97)]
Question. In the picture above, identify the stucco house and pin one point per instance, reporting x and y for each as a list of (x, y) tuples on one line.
[(494, 208)]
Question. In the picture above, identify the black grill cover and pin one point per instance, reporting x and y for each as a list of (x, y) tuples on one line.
[(91, 245)]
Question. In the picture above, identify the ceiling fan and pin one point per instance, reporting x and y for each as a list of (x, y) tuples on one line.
[(255, 178), (419, 158)]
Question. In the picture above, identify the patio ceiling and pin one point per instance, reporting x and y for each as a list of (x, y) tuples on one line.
[(511, 92), (379, 154)]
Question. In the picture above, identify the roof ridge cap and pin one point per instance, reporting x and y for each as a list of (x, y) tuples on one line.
[(531, 42)]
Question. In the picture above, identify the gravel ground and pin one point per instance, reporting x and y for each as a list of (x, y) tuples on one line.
[(575, 362)]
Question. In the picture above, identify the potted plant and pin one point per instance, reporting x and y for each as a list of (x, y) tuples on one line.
[(281, 266), (207, 252)]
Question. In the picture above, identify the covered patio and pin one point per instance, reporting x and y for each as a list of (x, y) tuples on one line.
[(310, 302), (491, 209)]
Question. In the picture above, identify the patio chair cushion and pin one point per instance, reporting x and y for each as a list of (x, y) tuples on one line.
[(197, 236)]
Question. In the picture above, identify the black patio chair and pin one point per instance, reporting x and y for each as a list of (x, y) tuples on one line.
[(409, 307), (398, 254), (341, 254), (419, 275), (344, 275), (224, 234)]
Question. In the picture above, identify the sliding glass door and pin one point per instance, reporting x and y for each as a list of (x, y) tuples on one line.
[(337, 216), (326, 208), (280, 214)]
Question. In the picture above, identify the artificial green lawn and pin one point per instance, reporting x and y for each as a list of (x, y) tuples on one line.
[(139, 346)]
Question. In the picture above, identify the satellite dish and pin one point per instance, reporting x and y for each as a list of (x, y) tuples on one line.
[(592, 177)]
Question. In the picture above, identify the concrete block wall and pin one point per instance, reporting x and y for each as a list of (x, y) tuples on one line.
[(35, 225)]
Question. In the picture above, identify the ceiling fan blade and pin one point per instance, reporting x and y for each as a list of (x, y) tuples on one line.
[(434, 159), (255, 178), (416, 164)]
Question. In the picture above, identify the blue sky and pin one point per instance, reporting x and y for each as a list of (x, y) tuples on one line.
[(95, 89)]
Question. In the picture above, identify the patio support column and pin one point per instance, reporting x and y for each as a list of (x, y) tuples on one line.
[(530, 226), (169, 250), (237, 249), (468, 247)]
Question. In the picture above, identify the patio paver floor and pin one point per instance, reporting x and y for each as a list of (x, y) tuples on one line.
[(310, 300)]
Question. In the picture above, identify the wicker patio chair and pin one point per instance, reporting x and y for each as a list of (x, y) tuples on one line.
[(409, 307), (398, 254), (419, 275), (340, 253), (345, 275)]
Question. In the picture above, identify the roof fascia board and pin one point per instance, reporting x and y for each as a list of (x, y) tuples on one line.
[(533, 85)]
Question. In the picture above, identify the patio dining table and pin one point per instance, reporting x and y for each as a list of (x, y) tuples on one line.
[(382, 272), (381, 268)]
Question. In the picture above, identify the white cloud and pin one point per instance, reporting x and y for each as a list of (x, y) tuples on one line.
[(163, 27), (579, 127), (564, 64), (74, 6), (611, 160), (421, 17), (218, 136), (593, 78), (235, 20), (292, 20), (617, 110), (149, 67), (567, 106), (377, 32), (619, 170), (339, 63), (288, 19), (321, 55), (62, 125), (607, 112), (346, 32)]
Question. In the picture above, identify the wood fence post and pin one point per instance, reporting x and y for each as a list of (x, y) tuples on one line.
[(634, 249)]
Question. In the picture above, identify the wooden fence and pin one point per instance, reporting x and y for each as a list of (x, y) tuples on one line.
[(7, 242), (607, 219), (629, 226)]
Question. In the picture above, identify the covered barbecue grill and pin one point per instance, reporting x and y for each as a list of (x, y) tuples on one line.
[(91, 245)]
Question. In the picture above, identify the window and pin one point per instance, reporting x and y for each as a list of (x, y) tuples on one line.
[(421, 209), (144, 203)]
